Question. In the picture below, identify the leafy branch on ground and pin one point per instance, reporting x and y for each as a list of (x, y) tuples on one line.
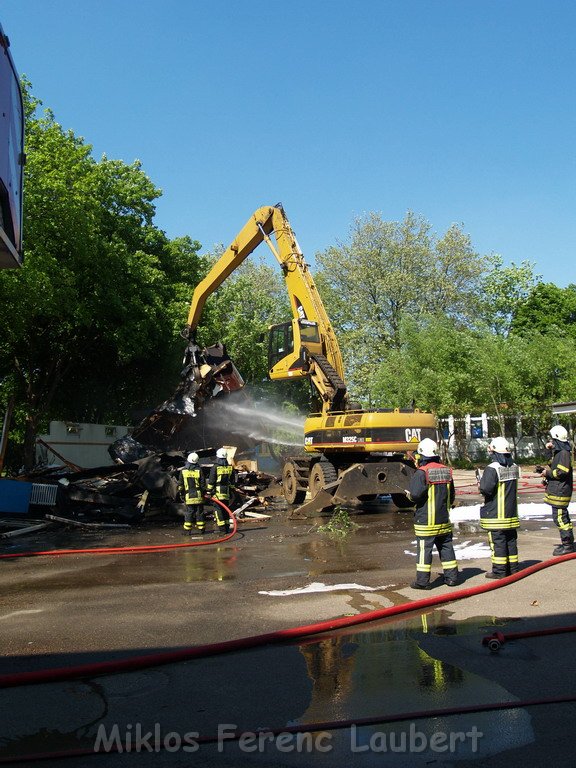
[(339, 524)]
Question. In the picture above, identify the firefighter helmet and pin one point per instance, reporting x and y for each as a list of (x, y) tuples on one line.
[(427, 448), (221, 453), (559, 433), (499, 445), (192, 458)]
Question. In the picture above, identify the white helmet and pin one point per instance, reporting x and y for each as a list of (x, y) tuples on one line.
[(427, 448), (221, 453), (559, 433), (192, 458), (499, 445)]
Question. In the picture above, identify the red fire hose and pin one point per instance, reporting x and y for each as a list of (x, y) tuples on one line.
[(131, 550), (126, 665), (279, 636), (496, 640)]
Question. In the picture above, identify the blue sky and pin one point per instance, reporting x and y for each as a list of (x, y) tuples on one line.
[(459, 110)]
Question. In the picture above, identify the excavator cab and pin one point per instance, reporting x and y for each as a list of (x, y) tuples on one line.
[(288, 345)]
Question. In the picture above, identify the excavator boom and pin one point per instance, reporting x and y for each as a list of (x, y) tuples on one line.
[(308, 345)]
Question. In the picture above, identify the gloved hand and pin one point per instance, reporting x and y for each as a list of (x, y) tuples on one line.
[(539, 469)]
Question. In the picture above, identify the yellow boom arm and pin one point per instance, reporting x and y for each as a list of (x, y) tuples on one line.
[(314, 349)]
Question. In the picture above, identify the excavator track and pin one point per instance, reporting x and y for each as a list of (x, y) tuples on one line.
[(335, 381)]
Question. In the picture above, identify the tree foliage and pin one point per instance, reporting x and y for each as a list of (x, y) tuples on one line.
[(90, 317), (426, 320), (387, 274), (547, 309), (391, 270), (504, 291)]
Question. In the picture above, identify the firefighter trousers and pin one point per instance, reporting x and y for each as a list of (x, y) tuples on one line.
[(504, 549), (561, 517), (221, 516), (194, 514), (445, 547)]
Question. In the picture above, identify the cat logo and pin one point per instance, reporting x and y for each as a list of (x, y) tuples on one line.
[(412, 435)]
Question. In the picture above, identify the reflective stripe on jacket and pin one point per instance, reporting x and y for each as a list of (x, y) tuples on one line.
[(432, 490), (560, 480), (193, 485), (499, 486), (221, 480)]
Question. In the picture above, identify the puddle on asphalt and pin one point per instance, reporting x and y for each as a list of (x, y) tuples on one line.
[(379, 671), (387, 671)]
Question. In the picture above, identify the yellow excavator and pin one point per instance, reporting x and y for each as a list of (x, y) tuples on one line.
[(349, 453)]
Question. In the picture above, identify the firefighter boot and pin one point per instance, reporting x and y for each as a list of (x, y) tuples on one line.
[(567, 545), (222, 529)]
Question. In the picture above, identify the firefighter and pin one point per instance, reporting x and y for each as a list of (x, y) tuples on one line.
[(432, 490), (558, 480), (221, 483), (499, 513), (194, 489)]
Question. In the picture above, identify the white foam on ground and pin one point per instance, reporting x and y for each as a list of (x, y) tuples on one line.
[(525, 512), (318, 586)]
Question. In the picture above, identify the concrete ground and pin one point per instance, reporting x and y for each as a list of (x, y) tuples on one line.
[(70, 610)]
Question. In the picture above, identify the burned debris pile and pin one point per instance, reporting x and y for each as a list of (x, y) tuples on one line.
[(144, 480), (127, 494)]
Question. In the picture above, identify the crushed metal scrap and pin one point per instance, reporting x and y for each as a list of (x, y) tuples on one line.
[(193, 418)]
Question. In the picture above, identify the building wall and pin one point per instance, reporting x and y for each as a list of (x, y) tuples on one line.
[(85, 445), (470, 436)]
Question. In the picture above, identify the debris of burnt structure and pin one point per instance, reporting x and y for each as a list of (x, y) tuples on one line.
[(143, 482), (193, 419), (128, 494)]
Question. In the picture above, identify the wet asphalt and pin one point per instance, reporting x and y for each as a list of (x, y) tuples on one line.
[(70, 610)]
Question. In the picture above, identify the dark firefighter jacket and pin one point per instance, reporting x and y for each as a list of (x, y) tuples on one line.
[(222, 479), (432, 490), (194, 484), (499, 486), (559, 476)]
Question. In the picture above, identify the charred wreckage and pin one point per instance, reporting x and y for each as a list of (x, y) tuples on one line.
[(144, 482)]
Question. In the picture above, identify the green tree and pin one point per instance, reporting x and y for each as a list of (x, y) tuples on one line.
[(435, 369), (548, 309), (91, 314), (387, 273), (504, 290), (524, 375)]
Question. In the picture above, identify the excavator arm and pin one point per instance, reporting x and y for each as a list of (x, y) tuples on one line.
[(306, 346)]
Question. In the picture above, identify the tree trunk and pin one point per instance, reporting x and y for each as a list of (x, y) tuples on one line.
[(29, 447)]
